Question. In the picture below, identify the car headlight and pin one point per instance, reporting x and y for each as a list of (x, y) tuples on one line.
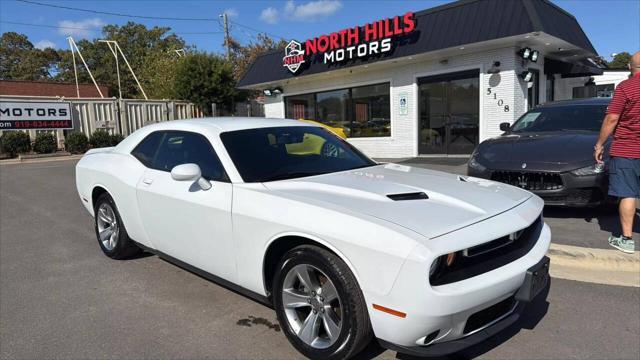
[(434, 266), (474, 164), (588, 170)]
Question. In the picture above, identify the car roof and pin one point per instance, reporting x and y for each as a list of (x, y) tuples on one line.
[(224, 124), (576, 102), (211, 125)]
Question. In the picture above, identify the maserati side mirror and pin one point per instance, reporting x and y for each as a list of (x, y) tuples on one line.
[(505, 126), (190, 172)]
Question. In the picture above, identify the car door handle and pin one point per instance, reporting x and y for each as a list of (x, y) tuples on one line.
[(147, 181)]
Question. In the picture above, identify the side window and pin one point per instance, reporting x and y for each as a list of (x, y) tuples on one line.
[(146, 151), (179, 147)]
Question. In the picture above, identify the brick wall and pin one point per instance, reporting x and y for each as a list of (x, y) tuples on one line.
[(42, 88)]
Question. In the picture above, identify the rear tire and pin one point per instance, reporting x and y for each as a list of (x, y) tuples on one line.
[(319, 304), (110, 231)]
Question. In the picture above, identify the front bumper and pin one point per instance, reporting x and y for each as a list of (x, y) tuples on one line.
[(494, 325), (449, 309), (577, 191), (453, 346)]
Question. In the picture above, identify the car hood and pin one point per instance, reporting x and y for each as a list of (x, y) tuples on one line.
[(453, 201), (559, 151)]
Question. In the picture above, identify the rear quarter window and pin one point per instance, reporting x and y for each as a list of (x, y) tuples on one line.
[(146, 150)]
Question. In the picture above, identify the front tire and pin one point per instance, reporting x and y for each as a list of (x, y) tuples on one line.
[(110, 232), (319, 304)]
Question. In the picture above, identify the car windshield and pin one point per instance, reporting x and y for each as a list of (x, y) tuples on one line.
[(561, 118), (280, 153)]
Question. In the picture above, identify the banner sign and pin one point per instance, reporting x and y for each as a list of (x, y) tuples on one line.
[(358, 42), (22, 115)]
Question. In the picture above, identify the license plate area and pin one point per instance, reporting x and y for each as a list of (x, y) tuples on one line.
[(535, 281)]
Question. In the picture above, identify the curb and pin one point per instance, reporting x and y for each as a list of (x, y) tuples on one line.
[(40, 159), (601, 266)]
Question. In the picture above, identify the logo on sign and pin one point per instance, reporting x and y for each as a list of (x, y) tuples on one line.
[(293, 56), (352, 43)]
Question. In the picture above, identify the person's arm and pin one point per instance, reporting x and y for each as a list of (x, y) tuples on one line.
[(616, 106)]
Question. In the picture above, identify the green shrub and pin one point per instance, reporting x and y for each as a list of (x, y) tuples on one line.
[(115, 139), (99, 139), (45, 143), (15, 142), (76, 142)]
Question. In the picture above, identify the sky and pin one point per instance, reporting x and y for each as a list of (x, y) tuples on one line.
[(612, 25)]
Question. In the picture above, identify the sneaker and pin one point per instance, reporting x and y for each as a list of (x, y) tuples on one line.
[(622, 243)]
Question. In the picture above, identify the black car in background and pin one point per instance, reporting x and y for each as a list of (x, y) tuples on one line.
[(549, 151)]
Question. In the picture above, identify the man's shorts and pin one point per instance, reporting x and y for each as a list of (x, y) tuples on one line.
[(624, 177)]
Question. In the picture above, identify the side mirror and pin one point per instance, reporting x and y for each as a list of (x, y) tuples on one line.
[(505, 126), (190, 172)]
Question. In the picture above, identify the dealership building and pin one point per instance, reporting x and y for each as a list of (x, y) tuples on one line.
[(433, 82)]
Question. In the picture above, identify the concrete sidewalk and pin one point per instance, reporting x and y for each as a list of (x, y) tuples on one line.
[(40, 159)]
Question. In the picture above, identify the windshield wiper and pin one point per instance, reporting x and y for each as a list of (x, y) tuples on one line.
[(290, 175)]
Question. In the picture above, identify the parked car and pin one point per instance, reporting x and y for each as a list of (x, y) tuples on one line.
[(549, 151), (343, 248), (336, 130)]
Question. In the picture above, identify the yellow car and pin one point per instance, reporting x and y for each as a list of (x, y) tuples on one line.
[(315, 145), (336, 130)]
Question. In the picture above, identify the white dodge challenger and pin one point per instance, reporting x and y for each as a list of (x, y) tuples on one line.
[(343, 248)]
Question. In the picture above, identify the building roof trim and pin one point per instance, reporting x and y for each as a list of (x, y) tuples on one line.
[(442, 27)]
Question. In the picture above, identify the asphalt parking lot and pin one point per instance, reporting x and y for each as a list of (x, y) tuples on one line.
[(61, 298)]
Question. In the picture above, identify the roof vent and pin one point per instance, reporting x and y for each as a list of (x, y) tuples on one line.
[(408, 196)]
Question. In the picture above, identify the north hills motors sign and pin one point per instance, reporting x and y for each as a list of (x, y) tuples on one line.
[(358, 42)]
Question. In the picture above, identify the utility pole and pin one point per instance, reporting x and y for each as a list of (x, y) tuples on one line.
[(225, 21)]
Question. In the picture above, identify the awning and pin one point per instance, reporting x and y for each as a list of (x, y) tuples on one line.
[(447, 26), (578, 68)]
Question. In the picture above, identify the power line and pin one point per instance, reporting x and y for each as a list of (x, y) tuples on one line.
[(114, 14), (256, 30), (98, 30), (148, 17)]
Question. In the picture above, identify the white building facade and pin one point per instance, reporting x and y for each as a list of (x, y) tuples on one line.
[(429, 95)]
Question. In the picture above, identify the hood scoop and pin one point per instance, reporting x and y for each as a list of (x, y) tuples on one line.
[(408, 196)]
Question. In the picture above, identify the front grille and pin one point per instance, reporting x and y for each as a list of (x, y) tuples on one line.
[(484, 317), (582, 196), (529, 180), (486, 257)]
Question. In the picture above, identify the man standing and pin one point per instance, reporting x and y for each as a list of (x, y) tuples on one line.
[(623, 120)]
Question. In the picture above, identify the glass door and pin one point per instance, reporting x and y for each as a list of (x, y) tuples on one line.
[(449, 108)]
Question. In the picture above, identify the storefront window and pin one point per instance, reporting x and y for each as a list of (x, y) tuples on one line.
[(362, 111), (301, 106), (588, 91), (372, 110), (332, 108)]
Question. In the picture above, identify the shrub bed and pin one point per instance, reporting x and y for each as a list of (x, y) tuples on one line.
[(76, 142), (45, 143), (15, 142), (99, 139)]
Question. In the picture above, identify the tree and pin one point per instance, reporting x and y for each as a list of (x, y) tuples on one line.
[(620, 61), (244, 56), (150, 51), (204, 79), (20, 60)]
